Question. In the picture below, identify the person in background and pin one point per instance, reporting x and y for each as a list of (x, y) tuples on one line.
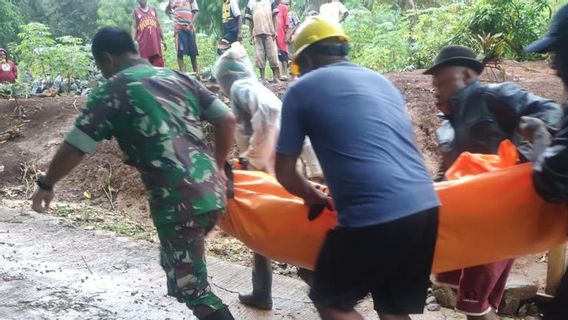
[(262, 16), (550, 174), (281, 39), (232, 21), (147, 32), (477, 118), (335, 11), (156, 115), (257, 110), (8, 70), (364, 140), (185, 14)]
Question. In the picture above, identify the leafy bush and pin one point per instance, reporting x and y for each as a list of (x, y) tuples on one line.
[(433, 29), (520, 21), (44, 57), (379, 38)]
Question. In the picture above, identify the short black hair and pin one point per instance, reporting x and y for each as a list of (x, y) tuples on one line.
[(112, 40)]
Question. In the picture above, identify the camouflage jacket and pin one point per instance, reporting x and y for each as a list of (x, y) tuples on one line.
[(155, 115)]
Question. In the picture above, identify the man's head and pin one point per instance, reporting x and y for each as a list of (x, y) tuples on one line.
[(556, 42), (454, 68), (318, 42), (143, 3), (111, 47)]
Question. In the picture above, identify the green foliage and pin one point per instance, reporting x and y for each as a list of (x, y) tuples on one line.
[(434, 29), (34, 49), (387, 39), (116, 13), (520, 21), (10, 19), (44, 57), (63, 17), (490, 46), (379, 38), (71, 58)]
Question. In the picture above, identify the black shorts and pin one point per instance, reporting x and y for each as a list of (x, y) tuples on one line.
[(282, 56), (392, 261), (230, 36)]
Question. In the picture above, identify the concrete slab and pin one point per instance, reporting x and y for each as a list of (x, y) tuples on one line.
[(53, 270)]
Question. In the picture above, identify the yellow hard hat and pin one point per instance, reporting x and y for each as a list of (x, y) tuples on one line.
[(315, 29)]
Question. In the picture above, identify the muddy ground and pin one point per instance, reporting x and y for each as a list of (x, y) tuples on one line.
[(103, 193)]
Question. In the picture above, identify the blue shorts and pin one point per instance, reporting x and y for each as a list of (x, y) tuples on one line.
[(186, 43)]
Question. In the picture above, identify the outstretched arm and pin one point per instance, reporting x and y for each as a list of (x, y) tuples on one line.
[(66, 158)]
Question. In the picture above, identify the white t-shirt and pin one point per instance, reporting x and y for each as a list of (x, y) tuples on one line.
[(333, 11)]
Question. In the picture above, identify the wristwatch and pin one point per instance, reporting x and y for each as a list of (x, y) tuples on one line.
[(42, 185)]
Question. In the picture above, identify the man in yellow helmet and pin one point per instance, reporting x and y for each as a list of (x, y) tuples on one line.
[(387, 208)]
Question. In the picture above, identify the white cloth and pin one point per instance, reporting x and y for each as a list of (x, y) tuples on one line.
[(258, 122), (333, 11), (258, 111)]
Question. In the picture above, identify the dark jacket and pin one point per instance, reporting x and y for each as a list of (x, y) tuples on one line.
[(484, 115), (551, 169)]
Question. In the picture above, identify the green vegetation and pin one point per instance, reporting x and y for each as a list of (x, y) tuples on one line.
[(43, 56), (387, 35)]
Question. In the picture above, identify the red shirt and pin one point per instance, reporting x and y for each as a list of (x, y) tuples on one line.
[(148, 32), (8, 72), (283, 25)]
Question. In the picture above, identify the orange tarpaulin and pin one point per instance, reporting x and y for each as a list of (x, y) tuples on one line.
[(484, 217)]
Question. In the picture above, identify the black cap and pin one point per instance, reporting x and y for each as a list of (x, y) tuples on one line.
[(557, 33), (456, 56)]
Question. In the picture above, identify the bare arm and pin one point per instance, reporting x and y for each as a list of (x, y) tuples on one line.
[(294, 183), (66, 158), (239, 27), (195, 15), (275, 22), (224, 135), (344, 16), (134, 28)]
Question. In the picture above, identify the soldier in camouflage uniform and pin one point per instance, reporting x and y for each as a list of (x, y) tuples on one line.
[(155, 115)]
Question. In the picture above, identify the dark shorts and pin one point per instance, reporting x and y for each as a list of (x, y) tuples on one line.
[(186, 43), (230, 36), (282, 56), (392, 261)]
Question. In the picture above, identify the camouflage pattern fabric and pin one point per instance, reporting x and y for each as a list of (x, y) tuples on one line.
[(183, 259), (155, 115)]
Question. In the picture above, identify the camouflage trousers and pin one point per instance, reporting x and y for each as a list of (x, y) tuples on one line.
[(182, 255)]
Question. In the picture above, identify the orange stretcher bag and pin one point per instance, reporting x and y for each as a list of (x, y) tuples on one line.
[(490, 211)]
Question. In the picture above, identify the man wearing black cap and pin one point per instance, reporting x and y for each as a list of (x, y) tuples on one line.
[(551, 169), (477, 118)]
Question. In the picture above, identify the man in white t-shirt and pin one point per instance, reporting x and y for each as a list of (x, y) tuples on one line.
[(334, 11)]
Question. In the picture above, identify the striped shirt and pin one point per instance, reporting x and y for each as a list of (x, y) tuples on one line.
[(183, 11)]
